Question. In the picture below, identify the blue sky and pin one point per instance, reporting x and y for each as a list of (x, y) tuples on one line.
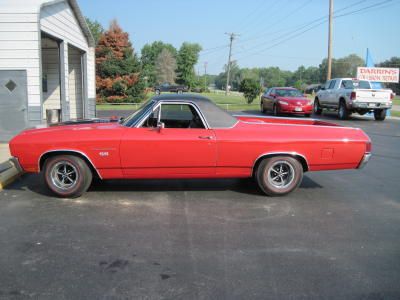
[(270, 30)]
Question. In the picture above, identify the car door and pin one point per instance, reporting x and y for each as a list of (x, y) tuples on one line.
[(270, 99), (173, 142), (331, 98), (323, 96)]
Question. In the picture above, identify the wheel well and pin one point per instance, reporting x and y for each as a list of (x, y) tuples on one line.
[(299, 157), (47, 155)]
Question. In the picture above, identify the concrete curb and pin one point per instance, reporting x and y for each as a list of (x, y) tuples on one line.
[(9, 172)]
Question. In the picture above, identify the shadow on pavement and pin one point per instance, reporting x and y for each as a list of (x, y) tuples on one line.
[(247, 186)]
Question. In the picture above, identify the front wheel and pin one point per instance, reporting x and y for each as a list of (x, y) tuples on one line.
[(275, 110), (67, 175), (380, 114), (317, 108), (279, 175)]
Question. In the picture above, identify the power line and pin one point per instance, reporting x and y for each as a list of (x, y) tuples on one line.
[(295, 33)]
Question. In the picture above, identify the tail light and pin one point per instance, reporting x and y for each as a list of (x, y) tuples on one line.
[(353, 95), (392, 96), (368, 147)]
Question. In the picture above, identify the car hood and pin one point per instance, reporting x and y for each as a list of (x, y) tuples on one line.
[(74, 125), (295, 100)]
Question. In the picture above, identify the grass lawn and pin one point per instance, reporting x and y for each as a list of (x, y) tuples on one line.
[(395, 113), (232, 102)]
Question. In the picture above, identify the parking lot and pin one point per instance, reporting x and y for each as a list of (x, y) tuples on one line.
[(336, 237)]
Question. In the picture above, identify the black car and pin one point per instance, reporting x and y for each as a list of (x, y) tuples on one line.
[(173, 88)]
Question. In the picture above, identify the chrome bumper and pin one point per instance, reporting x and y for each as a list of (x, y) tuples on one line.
[(364, 161), (372, 105), (15, 162)]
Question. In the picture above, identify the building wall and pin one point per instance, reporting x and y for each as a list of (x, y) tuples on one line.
[(20, 45), (75, 89)]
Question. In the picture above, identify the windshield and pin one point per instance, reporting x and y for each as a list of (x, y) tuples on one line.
[(137, 115), (289, 93), (352, 84)]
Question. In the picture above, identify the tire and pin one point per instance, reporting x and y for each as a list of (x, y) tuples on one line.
[(158, 92), (379, 114), (279, 185), (275, 110), (343, 112), (68, 186), (317, 108), (263, 110)]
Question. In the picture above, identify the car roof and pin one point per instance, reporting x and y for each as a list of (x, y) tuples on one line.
[(215, 116)]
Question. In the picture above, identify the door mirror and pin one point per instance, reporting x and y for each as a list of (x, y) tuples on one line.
[(160, 126)]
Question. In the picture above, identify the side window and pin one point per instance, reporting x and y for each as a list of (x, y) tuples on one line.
[(272, 92), (267, 91), (175, 116), (327, 84), (332, 84)]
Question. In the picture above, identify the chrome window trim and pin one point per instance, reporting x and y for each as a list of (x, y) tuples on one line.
[(72, 151), (203, 119), (279, 153)]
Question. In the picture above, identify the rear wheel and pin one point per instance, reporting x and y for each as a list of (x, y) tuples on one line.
[(343, 112), (317, 107), (279, 175), (380, 114), (67, 175)]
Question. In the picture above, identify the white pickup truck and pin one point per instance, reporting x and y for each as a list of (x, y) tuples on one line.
[(347, 95)]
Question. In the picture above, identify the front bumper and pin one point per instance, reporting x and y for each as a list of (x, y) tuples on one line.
[(295, 109), (365, 160), (372, 105)]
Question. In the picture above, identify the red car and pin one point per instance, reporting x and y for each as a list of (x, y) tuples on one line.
[(286, 100), (187, 136)]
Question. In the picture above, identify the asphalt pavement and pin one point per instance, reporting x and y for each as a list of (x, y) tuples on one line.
[(336, 237)]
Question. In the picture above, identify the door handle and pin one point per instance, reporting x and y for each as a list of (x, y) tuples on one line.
[(204, 137)]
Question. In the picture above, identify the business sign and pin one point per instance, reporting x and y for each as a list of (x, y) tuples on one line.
[(378, 74)]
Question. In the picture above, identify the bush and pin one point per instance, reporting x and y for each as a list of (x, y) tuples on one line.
[(250, 88)]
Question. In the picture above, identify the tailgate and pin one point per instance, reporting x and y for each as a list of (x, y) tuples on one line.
[(373, 96)]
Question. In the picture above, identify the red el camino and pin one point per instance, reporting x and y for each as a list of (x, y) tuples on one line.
[(187, 136), (286, 100)]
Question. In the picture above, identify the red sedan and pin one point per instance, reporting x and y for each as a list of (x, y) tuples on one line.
[(188, 136), (285, 100)]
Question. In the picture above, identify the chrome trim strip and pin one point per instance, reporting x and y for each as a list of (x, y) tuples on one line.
[(72, 151), (365, 160), (279, 153)]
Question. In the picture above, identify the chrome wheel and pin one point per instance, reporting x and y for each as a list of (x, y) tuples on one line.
[(281, 174), (64, 175)]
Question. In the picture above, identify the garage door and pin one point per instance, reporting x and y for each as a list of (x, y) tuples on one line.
[(13, 103)]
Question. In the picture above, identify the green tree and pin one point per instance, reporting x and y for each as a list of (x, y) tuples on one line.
[(96, 29), (165, 67), (393, 62), (118, 72), (149, 55), (250, 89), (342, 67), (188, 55)]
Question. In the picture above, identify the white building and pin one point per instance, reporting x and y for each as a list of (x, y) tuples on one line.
[(47, 61)]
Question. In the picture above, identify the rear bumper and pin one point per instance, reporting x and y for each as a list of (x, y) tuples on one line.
[(372, 105), (364, 161)]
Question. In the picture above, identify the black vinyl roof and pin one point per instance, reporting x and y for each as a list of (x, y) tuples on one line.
[(215, 116)]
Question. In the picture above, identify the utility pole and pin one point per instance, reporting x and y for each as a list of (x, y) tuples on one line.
[(205, 74), (228, 75), (329, 73)]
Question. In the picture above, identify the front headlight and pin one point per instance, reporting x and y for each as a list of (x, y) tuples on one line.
[(283, 102)]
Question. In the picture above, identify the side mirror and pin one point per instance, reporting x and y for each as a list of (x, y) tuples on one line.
[(160, 126)]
